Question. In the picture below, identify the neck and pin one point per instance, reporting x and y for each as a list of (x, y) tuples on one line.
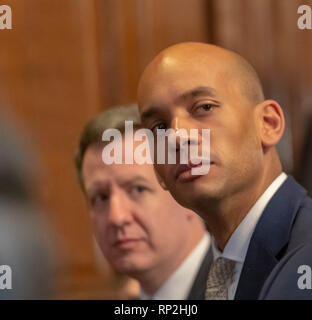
[(225, 215), (151, 280)]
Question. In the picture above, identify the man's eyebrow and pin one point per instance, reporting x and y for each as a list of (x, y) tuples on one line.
[(195, 92), (134, 179), (198, 91), (98, 185), (149, 113)]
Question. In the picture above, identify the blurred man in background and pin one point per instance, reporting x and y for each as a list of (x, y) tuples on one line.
[(142, 231), (26, 258)]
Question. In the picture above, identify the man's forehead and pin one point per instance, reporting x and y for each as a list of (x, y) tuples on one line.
[(104, 176), (178, 70), (188, 54), (187, 57), (179, 76), (93, 161), (93, 155), (206, 64), (178, 85)]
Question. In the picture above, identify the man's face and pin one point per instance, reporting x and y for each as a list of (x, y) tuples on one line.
[(203, 95), (137, 224)]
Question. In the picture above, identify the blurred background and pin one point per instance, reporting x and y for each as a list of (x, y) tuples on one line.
[(66, 60)]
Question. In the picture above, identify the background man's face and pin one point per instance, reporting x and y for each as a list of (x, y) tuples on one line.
[(137, 224), (201, 95)]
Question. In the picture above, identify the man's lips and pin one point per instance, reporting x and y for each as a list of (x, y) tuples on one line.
[(126, 243), (184, 172)]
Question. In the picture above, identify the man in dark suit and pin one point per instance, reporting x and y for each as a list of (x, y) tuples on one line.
[(255, 212), (141, 230), (291, 279)]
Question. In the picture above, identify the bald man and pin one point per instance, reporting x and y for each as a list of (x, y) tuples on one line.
[(255, 212)]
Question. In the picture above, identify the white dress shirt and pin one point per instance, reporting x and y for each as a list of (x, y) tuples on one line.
[(178, 286), (237, 246)]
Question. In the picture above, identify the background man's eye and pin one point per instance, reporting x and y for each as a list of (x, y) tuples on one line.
[(137, 192), (99, 199), (138, 189)]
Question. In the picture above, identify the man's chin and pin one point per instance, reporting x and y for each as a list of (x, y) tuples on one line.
[(130, 265), (201, 190)]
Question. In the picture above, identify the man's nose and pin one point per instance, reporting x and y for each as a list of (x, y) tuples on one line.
[(119, 210), (183, 138), (178, 122)]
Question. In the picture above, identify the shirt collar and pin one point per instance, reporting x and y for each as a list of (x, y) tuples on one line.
[(237, 246), (177, 287)]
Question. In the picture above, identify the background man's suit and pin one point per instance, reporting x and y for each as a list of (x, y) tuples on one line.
[(199, 286)]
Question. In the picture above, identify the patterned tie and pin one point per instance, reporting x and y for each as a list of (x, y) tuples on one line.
[(220, 278)]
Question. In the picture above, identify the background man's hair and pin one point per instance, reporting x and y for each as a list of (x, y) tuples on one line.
[(114, 118)]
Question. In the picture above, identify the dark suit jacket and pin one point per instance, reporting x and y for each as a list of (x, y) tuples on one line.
[(199, 286), (291, 279), (284, 227)]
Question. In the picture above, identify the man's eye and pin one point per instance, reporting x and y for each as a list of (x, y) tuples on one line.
[(203, 109), (159, 126), (137, 190), (207, 106), (99, 199)]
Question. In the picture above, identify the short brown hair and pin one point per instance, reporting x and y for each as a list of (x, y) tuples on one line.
[(114, 118)]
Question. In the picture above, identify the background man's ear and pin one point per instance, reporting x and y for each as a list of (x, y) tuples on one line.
[(272, 122), (161, 182)]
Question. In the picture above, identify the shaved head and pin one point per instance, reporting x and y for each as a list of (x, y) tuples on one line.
[(201, 86), (233, 66)]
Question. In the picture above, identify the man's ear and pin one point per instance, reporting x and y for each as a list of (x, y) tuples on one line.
[(272, 122), (160, 180), (190, 215)]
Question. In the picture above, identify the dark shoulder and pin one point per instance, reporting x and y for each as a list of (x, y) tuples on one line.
[(291, 279), (301, 233), (307, 204)]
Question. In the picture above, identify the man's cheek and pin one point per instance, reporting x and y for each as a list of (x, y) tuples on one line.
[(160, 170)]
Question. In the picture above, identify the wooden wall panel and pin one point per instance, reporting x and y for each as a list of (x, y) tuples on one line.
[(132, 32)]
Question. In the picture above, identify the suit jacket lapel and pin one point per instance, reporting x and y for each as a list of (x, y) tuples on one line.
[(271, 235)]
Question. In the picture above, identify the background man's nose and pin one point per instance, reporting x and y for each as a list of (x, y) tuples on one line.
[(119, 209)]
